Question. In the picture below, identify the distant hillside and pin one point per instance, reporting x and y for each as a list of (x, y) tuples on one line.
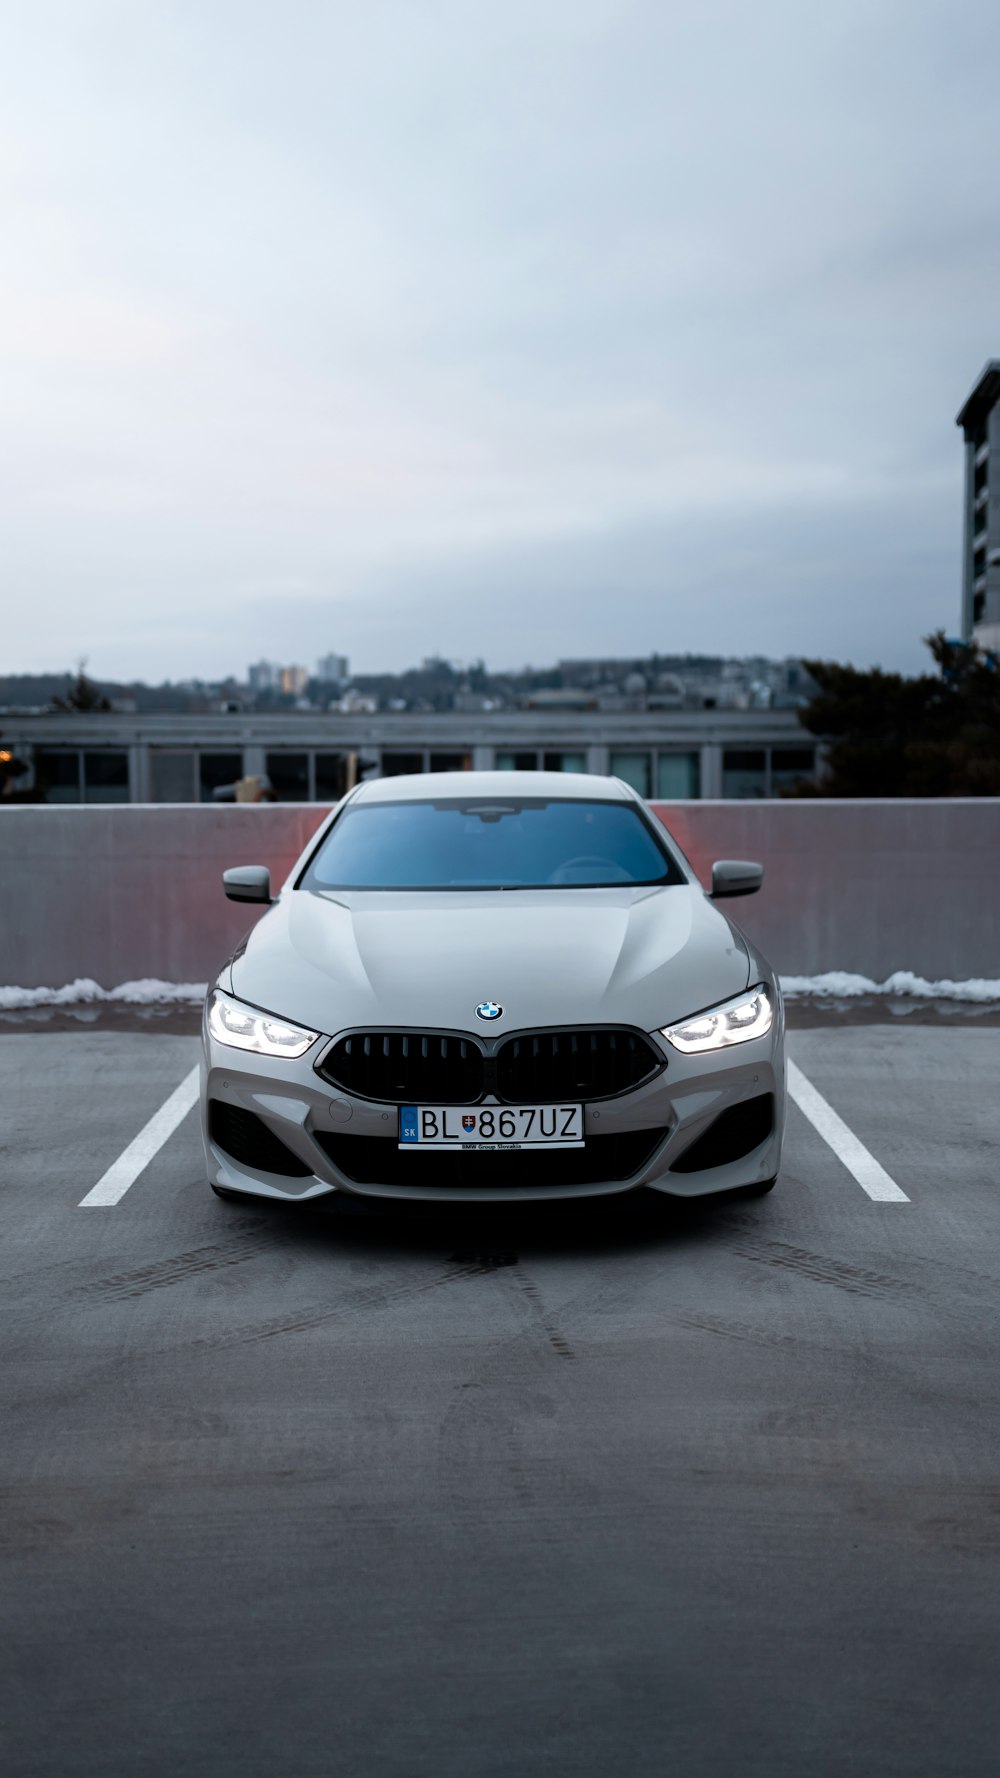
[(33, 688), (29, 691)]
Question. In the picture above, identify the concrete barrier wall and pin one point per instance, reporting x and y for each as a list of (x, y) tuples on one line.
[(123, 892), (870, 887)]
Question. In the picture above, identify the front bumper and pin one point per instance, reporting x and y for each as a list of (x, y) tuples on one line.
[(682, 1103)]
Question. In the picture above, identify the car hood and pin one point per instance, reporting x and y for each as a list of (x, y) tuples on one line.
[(630, 956)]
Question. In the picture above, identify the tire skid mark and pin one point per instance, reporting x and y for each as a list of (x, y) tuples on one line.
[(936, 1262), (490, 1412), (546, 1321), (260, 1230), (378, 1296), (948, 1513), (729, 1329), (857, 1280), (163, 1273), (635, 1270), (484, 1262)]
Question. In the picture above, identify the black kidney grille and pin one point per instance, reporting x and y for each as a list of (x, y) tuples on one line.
[(573, 1065), (377, 1160), (444, 1068), (407, 1067), (247, 1138)]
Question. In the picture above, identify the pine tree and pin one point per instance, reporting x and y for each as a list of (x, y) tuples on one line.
[(934, 735), (82, 695)]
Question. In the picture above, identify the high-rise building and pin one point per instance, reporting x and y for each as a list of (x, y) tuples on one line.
[(333, 669), (980, 423), (294, 680), (263, 676)]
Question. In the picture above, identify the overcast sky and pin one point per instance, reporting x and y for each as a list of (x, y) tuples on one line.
[(549, 327)]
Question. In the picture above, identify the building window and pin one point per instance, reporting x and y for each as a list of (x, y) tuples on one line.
[(634, 768), (515, 762), (789, 765), (401, 765), (678, 776), (58, 775), (744, 772), (105, 777), (564, 762), (289, 775), (172, 775), (331, 777), (450, 762), (217, 771)]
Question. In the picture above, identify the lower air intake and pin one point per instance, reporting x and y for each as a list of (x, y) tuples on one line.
[(247, 1139), (736, 1132)]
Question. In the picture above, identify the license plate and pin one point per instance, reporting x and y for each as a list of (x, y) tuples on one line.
[(491, 1126)]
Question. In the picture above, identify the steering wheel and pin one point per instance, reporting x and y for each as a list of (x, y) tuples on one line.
[(603, 867)]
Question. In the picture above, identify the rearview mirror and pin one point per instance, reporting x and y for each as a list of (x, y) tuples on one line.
[(735, 876), (248, 882)]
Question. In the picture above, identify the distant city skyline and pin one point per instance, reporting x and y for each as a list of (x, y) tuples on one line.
[(653, 682), (513, 333)]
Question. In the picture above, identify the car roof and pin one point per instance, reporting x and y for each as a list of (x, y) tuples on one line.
[(425, 786)]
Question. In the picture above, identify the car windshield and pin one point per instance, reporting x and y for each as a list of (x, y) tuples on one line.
[(489, 843)]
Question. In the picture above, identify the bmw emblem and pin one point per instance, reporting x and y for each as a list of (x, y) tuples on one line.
[(488, 1009)]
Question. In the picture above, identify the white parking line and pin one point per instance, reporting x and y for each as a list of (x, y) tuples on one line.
[(126, 1169), (871, 1177)]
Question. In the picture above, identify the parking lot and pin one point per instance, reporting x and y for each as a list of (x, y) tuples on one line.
[(628, 1487)]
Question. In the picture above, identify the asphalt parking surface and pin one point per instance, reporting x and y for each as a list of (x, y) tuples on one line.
[(619, 1489)]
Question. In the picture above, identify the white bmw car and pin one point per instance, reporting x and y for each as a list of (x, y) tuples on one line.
[(493, 986)]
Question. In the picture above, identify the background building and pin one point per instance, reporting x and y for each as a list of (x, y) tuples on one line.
[(263, 676), (980, 423), (315, 756)]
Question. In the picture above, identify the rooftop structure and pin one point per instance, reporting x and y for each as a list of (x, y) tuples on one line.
[(315, 756)]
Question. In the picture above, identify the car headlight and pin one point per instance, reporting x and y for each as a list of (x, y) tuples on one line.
[(735, 1021), (245, 1028)]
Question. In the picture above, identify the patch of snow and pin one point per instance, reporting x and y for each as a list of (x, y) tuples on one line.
[(84, 992), (841, 985), (834, 984)]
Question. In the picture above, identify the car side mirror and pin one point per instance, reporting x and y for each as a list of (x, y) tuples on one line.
[(735, 876), (248, 882)]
